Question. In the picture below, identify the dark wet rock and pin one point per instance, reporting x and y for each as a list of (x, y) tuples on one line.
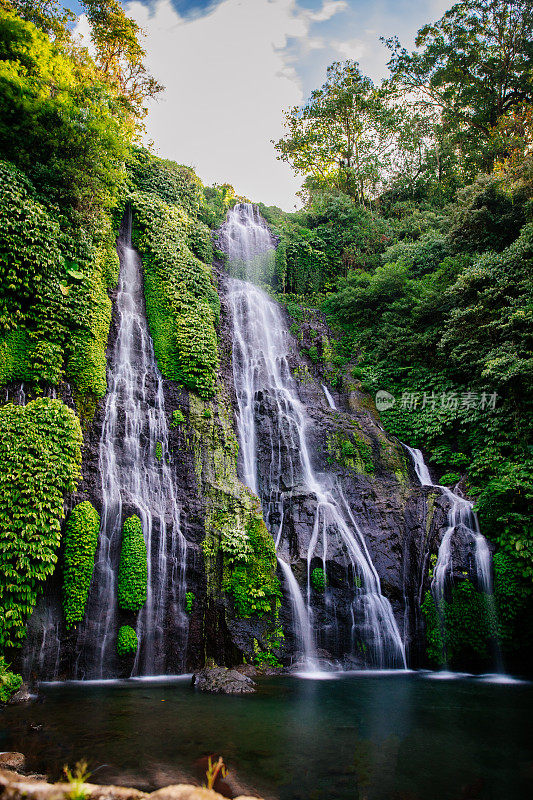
[(220, 680), (21, 696)]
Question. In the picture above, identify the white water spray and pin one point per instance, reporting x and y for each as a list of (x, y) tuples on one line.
[(461, 519), (263, 380), (134, 465)]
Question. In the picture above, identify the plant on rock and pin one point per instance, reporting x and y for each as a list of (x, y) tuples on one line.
[(189, 602), (318, 579), (40, 456), (133, 569), (127, 641), (81, 539)]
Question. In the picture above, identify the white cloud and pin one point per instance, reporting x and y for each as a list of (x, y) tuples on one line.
[(230, 73), (328, 10), (228, 76), (354, 49)]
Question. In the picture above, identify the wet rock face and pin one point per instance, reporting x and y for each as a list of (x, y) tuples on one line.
[(400, 521)]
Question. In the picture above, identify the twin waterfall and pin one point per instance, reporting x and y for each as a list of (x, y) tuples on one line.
[(278, 461), (262, 378)]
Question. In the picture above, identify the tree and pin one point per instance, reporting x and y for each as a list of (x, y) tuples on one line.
[(119, 54), (343, 137), (472, 67), (47, 15)]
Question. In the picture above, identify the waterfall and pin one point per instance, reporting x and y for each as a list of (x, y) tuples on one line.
[(461, 519), (329, 398), (134, 467), (263, 383)]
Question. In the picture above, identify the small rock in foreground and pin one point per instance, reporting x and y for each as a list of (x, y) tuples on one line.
[(13, 761)]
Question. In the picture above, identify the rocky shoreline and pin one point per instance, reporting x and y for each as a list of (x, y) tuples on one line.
[(15, 786)]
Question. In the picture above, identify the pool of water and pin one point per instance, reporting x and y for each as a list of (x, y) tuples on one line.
[(378, 737)]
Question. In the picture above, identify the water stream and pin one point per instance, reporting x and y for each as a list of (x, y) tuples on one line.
[(462, 521), (135, 479), (273, 426)]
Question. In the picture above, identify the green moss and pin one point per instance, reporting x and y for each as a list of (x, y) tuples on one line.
[(239, 552), (127, 642), (318, 579), (462, 638), (40, 457), (354, 453), (182, 304), (189, 602), (159, 451), (133, 570), (177, 418), (81, 540)]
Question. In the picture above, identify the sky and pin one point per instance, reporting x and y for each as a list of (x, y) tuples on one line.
[(232, 67)]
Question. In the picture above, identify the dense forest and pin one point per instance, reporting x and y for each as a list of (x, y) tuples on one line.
[(414, 245)]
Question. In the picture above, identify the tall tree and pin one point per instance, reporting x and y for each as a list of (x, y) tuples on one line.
[(119, 53), (343, 136), (472, 66)]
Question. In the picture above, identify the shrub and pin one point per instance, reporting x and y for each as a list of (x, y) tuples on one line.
[(133, 568), (450, 479), (318, 579), (177, 418), (313, 354), (182, 304), (466, 627), (40, 457), (189, 602), (10, 682), (81, 540), (127, 641), (250, 576)]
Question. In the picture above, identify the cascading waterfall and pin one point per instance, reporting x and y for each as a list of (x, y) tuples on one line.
[(134, 466), (329, 398), (262, 378), (463, 519)]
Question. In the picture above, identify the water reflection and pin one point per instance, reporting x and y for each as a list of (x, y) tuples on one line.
[(392, 737)]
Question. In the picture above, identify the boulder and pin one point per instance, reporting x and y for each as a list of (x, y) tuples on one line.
[(220, 680), (22, 695), (13, 761)]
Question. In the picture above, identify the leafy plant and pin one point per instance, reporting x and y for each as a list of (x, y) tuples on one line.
[(178, 418), (133, 569), (40, 457), (214, 770), (81, 540), (318, 579), (10, 682), (189, 602), (127, 641), (77, 778)]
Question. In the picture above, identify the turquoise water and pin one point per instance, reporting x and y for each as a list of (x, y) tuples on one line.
[(379, 737)]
